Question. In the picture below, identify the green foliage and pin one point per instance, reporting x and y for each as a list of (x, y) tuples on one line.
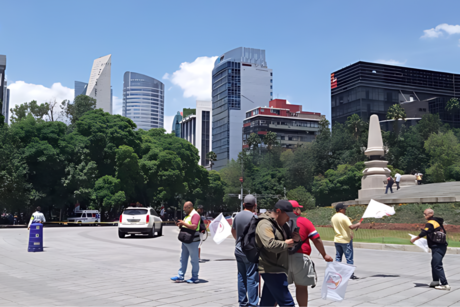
[(270, 139), (108, 193), (211, 156), (444, 151), (74, 111), (304, 198), (453, 105)]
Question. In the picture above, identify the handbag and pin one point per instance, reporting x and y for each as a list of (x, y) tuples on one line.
[(186, 235)]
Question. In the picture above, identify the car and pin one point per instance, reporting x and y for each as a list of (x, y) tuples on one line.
[(139, 220), (85, 217)]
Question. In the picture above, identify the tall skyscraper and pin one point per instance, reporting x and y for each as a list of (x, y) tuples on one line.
[(80, 88), (4, 91), (176, 124), (196, 128), (143, 100), (99, 83), (241, 81)]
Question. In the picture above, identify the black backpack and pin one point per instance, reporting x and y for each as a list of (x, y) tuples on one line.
[(248, 240)]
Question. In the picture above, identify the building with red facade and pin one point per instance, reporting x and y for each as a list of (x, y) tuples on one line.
[(292, 126)]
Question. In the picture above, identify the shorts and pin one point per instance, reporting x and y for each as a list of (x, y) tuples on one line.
[(301, 270)]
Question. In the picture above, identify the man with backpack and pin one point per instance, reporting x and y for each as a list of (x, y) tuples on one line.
[(436, 237), (301, 267), (248, 275), (273, 239)]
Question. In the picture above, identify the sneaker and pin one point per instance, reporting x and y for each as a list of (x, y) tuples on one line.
[(193, 281), (354, 277), (443, 287), (177, 279), (434, 284)]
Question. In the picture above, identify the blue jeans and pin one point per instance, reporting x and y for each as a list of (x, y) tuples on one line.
[(276, 291), (389, 187), (437, 270), (248, 282), (190, 249), (344, 248)]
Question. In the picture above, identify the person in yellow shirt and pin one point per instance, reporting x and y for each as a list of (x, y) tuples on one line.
[(343, 239)]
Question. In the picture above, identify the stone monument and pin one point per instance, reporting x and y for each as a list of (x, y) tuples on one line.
[(376, 171)]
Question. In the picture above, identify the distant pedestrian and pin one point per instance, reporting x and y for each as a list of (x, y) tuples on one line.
[(15, 219), (343, 239), (162, 213), (390, 183), (37, 217), (419, 177), (397, 180), (436, 237), (190, 237), (274, 238), (301, 267)]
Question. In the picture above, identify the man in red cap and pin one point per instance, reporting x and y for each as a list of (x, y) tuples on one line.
[(301, 268)]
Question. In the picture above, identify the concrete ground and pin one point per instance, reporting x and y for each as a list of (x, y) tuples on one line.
[(91, 266)]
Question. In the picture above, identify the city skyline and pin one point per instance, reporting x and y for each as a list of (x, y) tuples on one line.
[(302, 51)]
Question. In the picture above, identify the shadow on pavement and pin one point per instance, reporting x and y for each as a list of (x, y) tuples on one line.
[(384, 276), (418, 285)]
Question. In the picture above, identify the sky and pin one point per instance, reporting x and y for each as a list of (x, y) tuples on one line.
[(51, 44)]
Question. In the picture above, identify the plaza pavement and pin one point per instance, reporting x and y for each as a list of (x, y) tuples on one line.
[(91, 266)]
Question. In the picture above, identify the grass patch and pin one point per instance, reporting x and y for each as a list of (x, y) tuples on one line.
[(383, 236)]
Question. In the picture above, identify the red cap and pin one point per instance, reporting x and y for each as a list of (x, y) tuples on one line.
[(295, 204)]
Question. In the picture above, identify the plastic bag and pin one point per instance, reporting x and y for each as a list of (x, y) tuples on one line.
[(336, 280), (220, 229)]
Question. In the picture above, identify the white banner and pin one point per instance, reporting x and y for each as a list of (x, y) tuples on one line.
[(220, 229), (377, 210), (422, 243), (336, 280)]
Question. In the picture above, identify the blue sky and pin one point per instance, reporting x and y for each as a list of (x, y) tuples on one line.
[(52, 42)]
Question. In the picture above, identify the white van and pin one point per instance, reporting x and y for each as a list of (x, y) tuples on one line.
[(85, 216)]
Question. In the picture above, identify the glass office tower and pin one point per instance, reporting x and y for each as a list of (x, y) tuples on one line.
[(80, 88), (240, 82), (143, 100), (176, 124)]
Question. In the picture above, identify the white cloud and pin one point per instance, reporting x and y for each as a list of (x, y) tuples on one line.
[(194, 78), (117, 104), (167, 123), (391, 62), (439, 30), (21, 92)]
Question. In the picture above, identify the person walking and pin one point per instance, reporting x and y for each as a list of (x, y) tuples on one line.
[(343, 239), (37, 217), (248, 274), (301, 268), (397, 180), (436, 237), (203, 230), (274, 238), (190, 237), (390, 183)]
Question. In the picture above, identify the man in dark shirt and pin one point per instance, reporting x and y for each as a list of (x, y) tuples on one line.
[(248, 275), (390, 183), (438, 250)]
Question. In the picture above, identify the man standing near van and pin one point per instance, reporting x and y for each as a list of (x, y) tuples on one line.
[(248, 274), (274, 240), (343, 239), (192, 222)]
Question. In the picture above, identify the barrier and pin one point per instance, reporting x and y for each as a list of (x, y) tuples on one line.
[(36, 238)]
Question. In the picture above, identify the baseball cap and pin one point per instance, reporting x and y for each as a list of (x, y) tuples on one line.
[(340, 206), (284, 205), (295, 204), (249, 199)]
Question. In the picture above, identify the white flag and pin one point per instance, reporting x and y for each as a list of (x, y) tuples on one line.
[(422, 243), (220, 229), (336, 280), (377, 210)]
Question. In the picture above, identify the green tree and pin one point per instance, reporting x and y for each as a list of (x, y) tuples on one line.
[(444, 151), (301, 195), (108, 194), (396, 112), (128, 171), (453, 105), (253, 141), (74, 111), (270, 139), (430, 123), (211, 156), (355, 125)]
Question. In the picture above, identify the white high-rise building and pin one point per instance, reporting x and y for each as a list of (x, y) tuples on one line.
[(241, 81), (99, 86)]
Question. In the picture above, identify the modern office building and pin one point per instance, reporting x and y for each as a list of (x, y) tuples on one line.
[(143, 100), (241, 81), (292, 126), (369, 88), (99, 86), (176, 124), (196, 128), (4, 91), (80, 88)]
